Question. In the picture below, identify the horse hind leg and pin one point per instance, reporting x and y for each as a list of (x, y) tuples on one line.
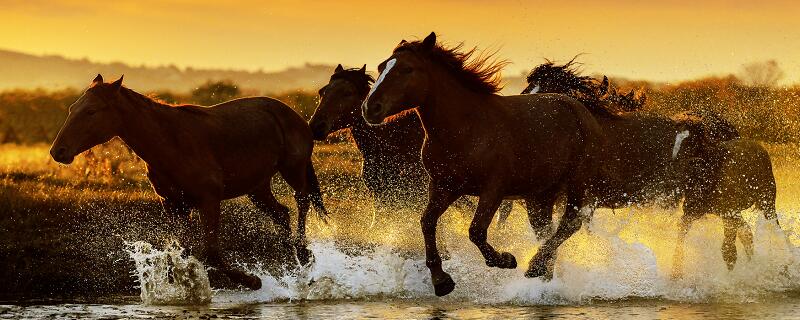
[(297, 176), (487, 205), (265, 201), (542, 263)]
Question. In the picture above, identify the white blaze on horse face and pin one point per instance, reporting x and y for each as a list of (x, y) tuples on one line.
[(534, 89), (389, 65), (678, 140)]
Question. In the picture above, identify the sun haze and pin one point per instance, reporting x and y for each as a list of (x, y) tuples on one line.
[(663, 41)]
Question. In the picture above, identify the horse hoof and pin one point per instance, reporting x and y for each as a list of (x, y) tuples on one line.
[(506, 261), (444, 285)]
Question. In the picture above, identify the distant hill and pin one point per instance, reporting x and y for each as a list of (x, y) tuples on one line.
[(20, 70)]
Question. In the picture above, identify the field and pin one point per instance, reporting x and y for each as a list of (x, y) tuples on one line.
[(64, 228)]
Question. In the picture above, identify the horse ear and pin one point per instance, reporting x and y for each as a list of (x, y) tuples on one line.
[(339, 68), (97, 79), (402, 42), (429, 41), (118, 83), (604, 86), (363, 69)]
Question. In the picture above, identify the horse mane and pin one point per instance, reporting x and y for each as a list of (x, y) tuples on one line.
[(477, 70), (356, 76), (601, 98)]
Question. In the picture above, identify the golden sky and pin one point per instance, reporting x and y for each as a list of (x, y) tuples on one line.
[(664, 40)]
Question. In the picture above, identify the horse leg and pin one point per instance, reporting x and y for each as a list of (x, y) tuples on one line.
[(297, 177), (504, 212), (540, 213), (686, 223), (210, 217), (439, 200), (265, 201), (487, 205), (745, 236), (729, 243), (542, 262)]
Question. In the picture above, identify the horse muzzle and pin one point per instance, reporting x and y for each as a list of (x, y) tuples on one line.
[(61, 155), (374, 113)]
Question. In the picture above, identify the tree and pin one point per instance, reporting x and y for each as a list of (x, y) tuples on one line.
[(213, 92), (761, 74)]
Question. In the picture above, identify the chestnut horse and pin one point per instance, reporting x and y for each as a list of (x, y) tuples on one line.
[(198, 156), (391, 167), (480, 143), (662, 159)]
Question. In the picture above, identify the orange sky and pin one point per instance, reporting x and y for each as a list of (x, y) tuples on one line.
[(663, 40)]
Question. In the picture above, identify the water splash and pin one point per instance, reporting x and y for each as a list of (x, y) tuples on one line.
[(617, 257), (166, 277)]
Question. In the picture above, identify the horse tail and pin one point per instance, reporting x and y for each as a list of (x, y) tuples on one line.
[(316, 193)]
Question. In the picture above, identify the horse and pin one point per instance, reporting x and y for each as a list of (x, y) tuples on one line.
[(663, 159), (725, 178), (197, 156), (391, 167), (480, 143)]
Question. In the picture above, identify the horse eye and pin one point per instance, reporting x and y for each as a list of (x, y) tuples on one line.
[(406, 70), (91, 112)]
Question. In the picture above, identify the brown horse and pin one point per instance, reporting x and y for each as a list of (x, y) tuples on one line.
[(480, 143), (392, 168), (198, 156), (725, 179), (662, 159)]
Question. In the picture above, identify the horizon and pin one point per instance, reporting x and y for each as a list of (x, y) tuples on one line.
[(686, 40)]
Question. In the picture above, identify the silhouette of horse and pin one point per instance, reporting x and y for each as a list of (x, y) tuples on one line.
[(480, 143), (391, 168), (198, 156), (660, 159)]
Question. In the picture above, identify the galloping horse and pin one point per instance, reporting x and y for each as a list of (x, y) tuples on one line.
[(392, 168), (480, 143), (659, 160), (198, 156)]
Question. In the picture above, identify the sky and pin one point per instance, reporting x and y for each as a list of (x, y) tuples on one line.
[(666, 40)]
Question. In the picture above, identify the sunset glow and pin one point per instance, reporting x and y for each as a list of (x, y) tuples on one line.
[(662, 41)]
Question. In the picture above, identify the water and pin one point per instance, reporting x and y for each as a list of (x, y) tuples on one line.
[(617, 266)]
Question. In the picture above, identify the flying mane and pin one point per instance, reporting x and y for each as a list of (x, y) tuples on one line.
[(600, 97), (478, 71)]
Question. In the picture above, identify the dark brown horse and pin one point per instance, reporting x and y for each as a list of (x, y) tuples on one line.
[(724, 178), (660, 159), (198, 156), (392, 168), (480, 143)]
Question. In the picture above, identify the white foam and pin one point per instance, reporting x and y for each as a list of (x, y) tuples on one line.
[(167, 278), (678, 141), (623, 256)]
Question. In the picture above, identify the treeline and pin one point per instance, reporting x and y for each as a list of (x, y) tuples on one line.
[(763, 112)]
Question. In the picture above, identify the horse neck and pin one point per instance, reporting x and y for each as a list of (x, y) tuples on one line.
[(146, 127), (451, 107)]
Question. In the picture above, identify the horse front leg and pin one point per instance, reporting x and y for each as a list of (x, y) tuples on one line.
[(677, 265), (439, 199), (542, 263), (210, 218), (731, 226), (487, 205)]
